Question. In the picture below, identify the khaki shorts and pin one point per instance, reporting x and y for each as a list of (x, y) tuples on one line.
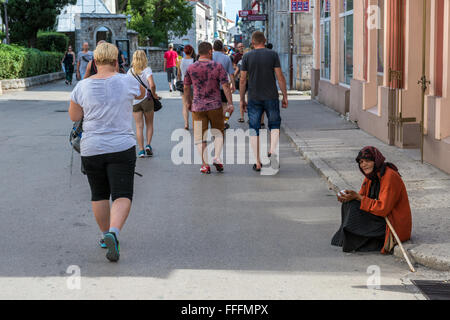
[(144, 106), (201, 120)]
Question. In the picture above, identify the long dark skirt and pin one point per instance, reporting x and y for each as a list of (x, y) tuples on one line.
[(359, 231)]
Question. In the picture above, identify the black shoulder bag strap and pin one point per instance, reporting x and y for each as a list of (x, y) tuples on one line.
[(142, 83)]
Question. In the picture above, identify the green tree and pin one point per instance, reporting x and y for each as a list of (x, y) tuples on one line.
[(27, 17), (156, 18)]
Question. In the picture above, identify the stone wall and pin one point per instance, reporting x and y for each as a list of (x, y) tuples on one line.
[(20, 84), (87, 25), (155, 57)]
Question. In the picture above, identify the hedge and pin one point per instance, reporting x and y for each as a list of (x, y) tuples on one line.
[(19, 62), (52, 41)]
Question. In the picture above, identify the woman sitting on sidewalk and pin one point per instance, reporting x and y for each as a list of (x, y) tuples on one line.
[(383, 194)]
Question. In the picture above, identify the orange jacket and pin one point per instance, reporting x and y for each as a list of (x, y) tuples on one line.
[(393, 203)]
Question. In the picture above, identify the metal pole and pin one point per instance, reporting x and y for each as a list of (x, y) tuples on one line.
[(6, 21), (423, 81), (291, 53)]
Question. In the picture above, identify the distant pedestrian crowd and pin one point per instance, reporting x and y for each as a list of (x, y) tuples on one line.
[(107, 97)]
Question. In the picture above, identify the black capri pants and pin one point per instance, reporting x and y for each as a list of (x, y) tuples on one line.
[(111, 175)]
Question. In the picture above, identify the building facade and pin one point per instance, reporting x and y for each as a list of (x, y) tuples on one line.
[(208, 25), (201, 29), (296, 65), (374, 59), (94, 20)]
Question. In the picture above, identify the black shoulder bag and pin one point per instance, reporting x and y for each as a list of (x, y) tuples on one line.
[(150, 96)]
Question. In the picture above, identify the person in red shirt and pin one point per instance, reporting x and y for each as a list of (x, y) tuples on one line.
[(170, 66)]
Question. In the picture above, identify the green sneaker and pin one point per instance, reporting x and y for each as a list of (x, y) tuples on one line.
[(113, 247)]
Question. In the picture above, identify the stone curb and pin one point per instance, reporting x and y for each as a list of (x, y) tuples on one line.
[(428, 255), (23, 83)]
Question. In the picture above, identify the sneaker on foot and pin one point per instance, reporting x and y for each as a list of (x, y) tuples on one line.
[(112, 244), (149, 150), (102, 243), (205, 169), (141, 154), (274, 161)]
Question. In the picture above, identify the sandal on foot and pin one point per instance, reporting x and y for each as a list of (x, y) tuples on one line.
[(218, 165), (255, 168)]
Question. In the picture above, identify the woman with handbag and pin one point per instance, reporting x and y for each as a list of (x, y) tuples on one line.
[(143, 109), (108, 147), (69, 65), (184, 64)]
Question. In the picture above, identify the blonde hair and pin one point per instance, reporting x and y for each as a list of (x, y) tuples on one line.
[(140, 61), (106, 53)]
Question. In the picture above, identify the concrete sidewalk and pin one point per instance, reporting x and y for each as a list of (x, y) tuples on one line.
[(331, 143)]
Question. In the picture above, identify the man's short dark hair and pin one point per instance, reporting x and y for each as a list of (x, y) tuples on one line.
[(218, 45), (204, 48), (258, 37)]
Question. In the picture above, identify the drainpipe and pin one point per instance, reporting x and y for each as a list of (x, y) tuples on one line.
[(423, 81)]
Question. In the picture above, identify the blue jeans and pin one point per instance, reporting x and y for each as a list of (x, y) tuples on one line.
[(255, 110)]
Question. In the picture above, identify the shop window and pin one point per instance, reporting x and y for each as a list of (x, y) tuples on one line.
[(325, 41), (439, 68), (381, 37), (346, 41)]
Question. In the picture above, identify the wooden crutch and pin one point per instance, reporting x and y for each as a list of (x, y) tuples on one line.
[(400, 245)]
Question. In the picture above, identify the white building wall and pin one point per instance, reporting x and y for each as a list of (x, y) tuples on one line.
[(66, 20)]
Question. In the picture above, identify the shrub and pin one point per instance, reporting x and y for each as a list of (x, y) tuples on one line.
[(20, 62), (52, 41), (2, 36)]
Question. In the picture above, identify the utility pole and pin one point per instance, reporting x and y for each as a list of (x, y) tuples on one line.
[(5, 4), (291, 52)]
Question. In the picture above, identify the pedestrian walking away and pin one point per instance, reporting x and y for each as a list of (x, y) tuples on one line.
[(170, 65), (184, 64), (263, 68), (91, 68), (220, 57), (206, 76), (83, 59), (108, 147), (143, 109), (383, 194), (69, 64)]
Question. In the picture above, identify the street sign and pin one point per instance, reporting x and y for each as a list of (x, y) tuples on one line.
[(246, 13), (257, 17), (299, 6)]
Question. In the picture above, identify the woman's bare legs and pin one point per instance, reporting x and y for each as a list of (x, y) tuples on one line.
[(119, 212), (108, 217), (101, 211), (148, 116), (138, 118)]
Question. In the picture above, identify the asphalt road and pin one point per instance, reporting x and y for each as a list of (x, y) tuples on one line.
[(236, 235)]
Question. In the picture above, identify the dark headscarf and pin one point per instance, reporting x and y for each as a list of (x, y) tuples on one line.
[(373, 154)]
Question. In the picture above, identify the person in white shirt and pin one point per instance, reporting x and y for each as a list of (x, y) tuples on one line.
[(108, 147), (184, 64), (143, 109)]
